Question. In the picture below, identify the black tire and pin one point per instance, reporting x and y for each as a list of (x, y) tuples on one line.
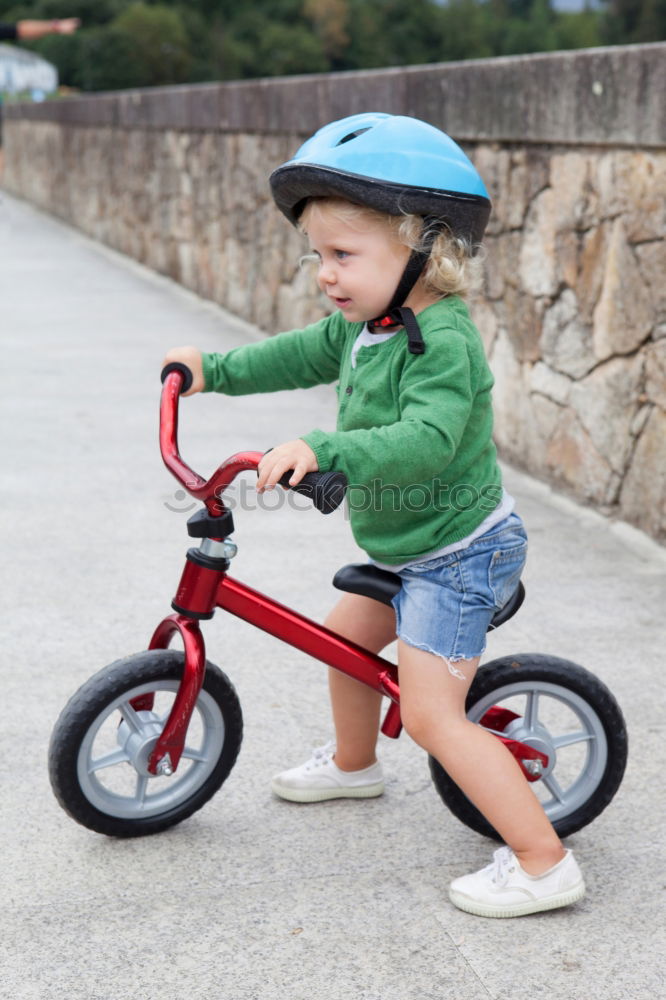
[(564, 687), (97, 797)]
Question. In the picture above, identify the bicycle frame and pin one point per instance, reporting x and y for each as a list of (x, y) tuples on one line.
[(205, 586)]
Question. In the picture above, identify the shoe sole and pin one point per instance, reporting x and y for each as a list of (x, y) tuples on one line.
[(323, 794), (479, 909)]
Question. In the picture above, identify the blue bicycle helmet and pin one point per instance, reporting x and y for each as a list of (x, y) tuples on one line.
[(392, 163), (397, 165)]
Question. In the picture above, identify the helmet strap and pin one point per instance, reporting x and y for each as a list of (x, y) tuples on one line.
[(396, 312), (402, 316)]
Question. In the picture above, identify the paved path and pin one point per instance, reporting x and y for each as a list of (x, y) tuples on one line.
[(254, 899)]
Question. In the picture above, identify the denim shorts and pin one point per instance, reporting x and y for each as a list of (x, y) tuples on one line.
[(446, 604)]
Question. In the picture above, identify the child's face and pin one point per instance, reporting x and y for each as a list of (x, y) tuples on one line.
[(360, 261)]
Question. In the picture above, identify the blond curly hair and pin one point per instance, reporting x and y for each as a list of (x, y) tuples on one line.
[(454, 266)]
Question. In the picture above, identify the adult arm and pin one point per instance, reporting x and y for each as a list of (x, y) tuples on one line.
[(29, 30)]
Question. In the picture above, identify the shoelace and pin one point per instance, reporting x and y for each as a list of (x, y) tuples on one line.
[(502, 865), (320, 755)]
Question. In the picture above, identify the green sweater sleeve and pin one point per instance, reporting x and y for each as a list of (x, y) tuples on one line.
[(436, 397), (294, 360)]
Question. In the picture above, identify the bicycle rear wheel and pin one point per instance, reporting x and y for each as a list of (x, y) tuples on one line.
[(566, 712)]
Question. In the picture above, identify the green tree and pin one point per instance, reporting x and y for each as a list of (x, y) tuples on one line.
[(330, 22), (157, 41), (266, 47), (651, 26), (125, 43), (468, 30), (201, 34), (65, 52), (120, 45), (109, 61), (392, 33), (531, 32), (578, 31), (634, 21)]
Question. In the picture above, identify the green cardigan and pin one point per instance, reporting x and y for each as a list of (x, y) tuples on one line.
[(414, 431)]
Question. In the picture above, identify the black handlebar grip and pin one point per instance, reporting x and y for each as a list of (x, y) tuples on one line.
[(178, 366), (325, 489)]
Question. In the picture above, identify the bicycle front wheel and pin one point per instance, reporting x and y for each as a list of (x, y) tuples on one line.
[(101, 745)]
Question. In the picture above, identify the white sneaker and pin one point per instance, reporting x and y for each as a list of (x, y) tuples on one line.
[(320, 778), (504, 889)]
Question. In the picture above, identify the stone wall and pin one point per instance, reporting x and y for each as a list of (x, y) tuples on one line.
[(573, 150), (574, 318)]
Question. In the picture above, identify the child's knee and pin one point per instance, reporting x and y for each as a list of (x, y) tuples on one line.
[(417, 726), (426, 724), (432, 702)]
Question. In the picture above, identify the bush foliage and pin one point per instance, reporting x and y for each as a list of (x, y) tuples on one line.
[(124, 43)]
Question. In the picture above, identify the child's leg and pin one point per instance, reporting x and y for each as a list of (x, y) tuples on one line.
[(433, 713), (352, 772), (356, 707)]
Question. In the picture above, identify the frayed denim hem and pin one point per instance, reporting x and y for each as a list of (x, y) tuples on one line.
[(449, 660)]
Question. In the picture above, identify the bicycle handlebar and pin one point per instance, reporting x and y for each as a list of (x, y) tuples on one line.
[(178, 366), (325, 489)]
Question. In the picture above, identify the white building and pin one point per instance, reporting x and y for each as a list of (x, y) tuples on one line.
[(22, 71)]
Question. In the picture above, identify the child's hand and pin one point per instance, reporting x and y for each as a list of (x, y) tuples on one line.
[(296, 455), (190, 356)]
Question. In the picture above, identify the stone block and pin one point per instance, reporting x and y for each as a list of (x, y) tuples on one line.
[(546, 382), (509, 397), (643, 493), (509, 248), (573, 191), (493, 278), (574, 462), (521, 315), (641, 418), (567, 253), (607, 402), (542, 417), (646, 207), (538, 275), (566, 342), (633, 183), (494, 165), (652, 266), (485, 318), (655, 371), (591, 269), (623, 316)]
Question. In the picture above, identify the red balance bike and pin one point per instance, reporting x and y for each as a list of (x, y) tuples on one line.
[(149, 739)]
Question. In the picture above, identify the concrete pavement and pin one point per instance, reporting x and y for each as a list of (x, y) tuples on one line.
[(255, 899)]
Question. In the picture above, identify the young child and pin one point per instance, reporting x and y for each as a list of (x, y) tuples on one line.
[(394, 212)]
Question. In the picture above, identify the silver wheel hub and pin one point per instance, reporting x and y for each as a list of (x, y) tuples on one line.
[(538, 738), (561, 724), (139, 746), (113, 758)]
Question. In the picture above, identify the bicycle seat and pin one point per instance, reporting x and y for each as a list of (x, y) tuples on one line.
[(382, 585), (368, 581), (510, 608)]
